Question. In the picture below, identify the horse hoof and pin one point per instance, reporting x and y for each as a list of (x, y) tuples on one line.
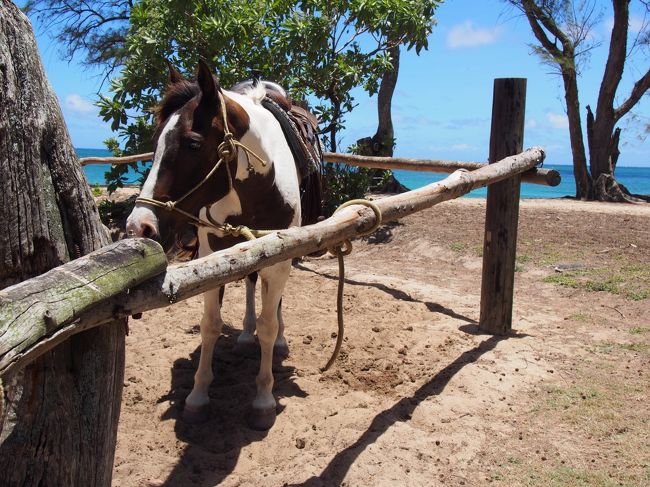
[(280, 350), (247, 349), (196, 415), (261, 419)]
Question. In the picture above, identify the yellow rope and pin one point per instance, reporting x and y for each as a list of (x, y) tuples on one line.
[(341, 250)]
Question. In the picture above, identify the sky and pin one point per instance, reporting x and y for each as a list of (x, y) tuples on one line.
[(443, 99)]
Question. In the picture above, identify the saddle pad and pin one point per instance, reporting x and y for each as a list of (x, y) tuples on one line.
[(299, 129)]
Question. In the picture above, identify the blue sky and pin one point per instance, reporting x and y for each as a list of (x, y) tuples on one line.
[(442, 104)]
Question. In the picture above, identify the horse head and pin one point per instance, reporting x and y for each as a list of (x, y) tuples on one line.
[(192, 167)]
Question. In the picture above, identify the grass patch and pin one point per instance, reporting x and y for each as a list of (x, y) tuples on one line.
[(637, 330), (458, 247), (637, 295), (634, 347), (520, 261), (580, 317), (609, 347), (563, 476), (563, 398), (632, 282), (523, 259)]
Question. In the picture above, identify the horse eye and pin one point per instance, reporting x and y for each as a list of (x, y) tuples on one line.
[(194, 145)]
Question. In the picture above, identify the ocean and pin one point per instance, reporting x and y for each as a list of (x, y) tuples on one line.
[(637, 179)]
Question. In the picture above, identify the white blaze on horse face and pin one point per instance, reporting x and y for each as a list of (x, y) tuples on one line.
[(142, 212)]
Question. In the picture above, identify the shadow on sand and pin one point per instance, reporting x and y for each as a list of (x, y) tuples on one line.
[(213, 447), (334, 473), (396, 293)]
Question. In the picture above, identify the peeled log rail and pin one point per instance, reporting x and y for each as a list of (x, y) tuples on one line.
[(189, 279), (85, 161), (38, 314), (548, 177)]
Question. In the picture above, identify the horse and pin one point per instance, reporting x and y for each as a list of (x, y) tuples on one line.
[(221, 157)]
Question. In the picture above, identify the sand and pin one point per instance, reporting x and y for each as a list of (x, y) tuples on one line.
[(418, 397)]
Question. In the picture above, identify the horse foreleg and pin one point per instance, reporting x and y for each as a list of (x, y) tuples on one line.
[(281, 347), (274, 279), (197, 404)]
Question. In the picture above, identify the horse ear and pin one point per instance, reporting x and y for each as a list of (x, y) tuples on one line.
[(174, 75), (207, 83)]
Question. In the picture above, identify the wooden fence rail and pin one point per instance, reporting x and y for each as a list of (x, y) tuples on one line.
[(547, 177), (19, 344)]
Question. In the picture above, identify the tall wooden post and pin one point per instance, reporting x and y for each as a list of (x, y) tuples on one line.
[(502, 208)]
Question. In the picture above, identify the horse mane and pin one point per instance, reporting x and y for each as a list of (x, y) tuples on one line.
[(176, 95)]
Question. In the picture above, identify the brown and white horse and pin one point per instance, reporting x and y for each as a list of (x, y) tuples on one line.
[(258, 188)]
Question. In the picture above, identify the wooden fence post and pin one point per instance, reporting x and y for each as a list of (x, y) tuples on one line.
[(502, 208)]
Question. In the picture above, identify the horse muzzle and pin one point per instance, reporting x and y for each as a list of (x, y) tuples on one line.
[(142, 222)]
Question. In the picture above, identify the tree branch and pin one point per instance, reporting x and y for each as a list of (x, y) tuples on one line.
[(639, 89), (533, 13), (615, 59)]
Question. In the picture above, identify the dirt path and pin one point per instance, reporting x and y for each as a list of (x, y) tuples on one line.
[(418, 397)]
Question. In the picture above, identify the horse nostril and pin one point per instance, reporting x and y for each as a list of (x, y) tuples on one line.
[(148, 230)]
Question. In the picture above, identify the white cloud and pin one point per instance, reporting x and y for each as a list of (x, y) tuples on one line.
[(466, 35), (557, 120), (636, 23), (76, 104), (531, 124)]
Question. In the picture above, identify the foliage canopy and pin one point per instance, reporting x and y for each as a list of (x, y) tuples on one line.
[(320, 50)]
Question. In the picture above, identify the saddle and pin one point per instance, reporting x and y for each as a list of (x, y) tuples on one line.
[(300, 129)]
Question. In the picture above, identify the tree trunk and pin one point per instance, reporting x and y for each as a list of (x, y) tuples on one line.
[(59, 421), (382, 143), (603, 150), (383, 140), (583, 186)]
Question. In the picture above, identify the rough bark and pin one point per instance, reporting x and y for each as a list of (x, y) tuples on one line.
[(605, 136), (583, 183), (36, 314), (59, 421), (382, 143), (383, 139), (502, 208), (605, 120)]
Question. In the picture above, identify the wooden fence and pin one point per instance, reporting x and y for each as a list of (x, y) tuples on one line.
[(30, 324)]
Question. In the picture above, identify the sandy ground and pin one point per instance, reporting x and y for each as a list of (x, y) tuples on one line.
[(418, 396)]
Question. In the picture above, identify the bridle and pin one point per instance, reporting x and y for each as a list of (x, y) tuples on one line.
[(227, 151)]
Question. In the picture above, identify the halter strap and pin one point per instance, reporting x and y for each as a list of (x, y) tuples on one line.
[(227, 151)]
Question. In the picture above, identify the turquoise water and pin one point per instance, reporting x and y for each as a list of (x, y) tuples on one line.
[(637, 179), (95, 172)]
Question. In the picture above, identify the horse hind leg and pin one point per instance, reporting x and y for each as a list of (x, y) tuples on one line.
[(197, 404), (274, 278), (246, 344)]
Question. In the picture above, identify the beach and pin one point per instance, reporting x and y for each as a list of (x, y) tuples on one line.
[(418, 396)]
